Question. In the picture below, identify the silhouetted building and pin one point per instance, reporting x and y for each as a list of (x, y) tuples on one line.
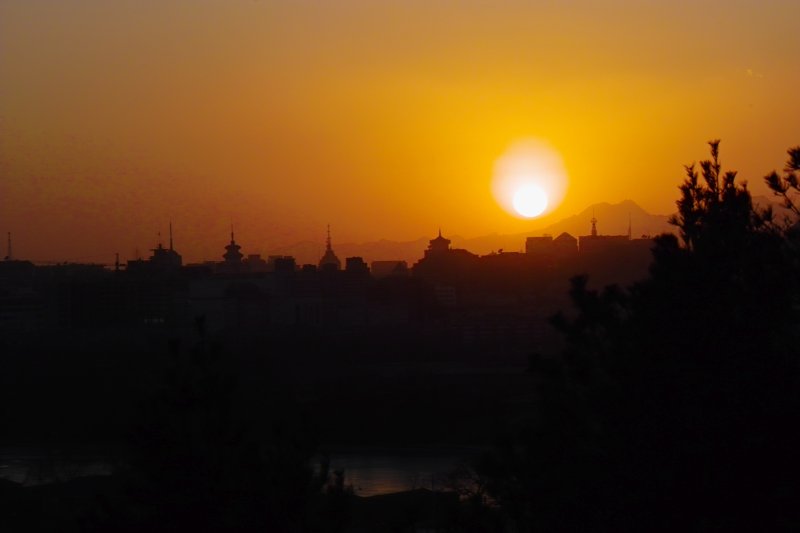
[(14, 272), (284, 263), (614, 258), (595, 243), (565, 244), (232, 254), (546, 247), (232, 263), (329, 260), (255, 264), (384, 269), (356, 265), (163, 260), (21, 306), (438, 245), (273, 260), (446, 295), (444, 265), (539, 245)]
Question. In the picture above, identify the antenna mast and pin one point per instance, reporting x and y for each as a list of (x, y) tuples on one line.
[(629, 225)]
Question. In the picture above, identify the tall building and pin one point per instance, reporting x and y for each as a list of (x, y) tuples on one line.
[(329, 260), (164, 258)]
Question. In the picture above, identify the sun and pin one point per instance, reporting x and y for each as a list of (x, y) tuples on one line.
[(530, 201), (530, 179)]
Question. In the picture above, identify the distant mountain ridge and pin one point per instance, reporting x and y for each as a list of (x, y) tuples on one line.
[(612, 219)]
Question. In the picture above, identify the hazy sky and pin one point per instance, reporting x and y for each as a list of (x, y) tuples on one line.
[(382, 118)]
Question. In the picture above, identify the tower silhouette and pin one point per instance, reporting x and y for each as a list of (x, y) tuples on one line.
[(232, 254), (629, 225), (329, 260)]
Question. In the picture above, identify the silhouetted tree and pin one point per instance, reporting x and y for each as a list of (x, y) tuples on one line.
[(788, 185), (207, 455), (674, 404)]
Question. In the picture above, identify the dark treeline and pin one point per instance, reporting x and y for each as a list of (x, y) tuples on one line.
[(675, 403)]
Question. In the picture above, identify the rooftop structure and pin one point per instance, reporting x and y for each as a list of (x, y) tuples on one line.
[(563, 245), (599, 243), (438, 245), (162, 260), (329, 261), (232, 254), (166, 257)]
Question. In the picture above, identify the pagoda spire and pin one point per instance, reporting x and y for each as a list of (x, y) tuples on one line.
[(232, 255), (594, 225), (170, 235), (437, 245), (328, 240), (9, 257)]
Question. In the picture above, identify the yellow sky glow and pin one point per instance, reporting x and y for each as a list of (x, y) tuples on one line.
[(384, 119)]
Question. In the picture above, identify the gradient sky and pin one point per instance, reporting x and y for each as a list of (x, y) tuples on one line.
[(383, 119)]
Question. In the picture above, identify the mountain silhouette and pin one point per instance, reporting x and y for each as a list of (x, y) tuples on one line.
[(612, 219)]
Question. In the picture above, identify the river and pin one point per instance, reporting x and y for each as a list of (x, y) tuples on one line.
[(369, 471)]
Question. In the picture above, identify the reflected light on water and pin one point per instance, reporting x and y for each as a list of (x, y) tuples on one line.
[(371, 474)]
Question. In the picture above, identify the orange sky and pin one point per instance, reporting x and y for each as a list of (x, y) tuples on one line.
[(383, 119)]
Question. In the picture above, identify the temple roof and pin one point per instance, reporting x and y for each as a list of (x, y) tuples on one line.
[(440, 239)]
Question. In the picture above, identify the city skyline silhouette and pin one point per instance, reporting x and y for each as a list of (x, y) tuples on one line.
[(354, 267)]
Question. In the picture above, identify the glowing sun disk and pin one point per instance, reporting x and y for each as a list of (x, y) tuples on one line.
[(530, 201), (529, 179)]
